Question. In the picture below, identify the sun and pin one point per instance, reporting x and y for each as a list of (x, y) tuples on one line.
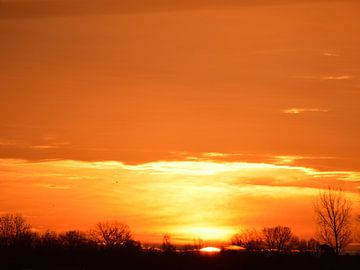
[(210, 249)]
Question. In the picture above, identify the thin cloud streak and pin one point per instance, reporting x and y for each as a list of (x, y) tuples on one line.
[(303, 110), (51, 186), (337, 78), (41, 147), (331, 54)]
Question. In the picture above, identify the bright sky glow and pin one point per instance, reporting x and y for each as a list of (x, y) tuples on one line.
[(199, 199), (210, 249)]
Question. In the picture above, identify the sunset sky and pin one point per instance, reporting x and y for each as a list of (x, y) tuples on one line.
[(198, 118)]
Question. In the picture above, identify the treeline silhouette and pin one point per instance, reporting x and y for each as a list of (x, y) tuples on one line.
[(110, 245), (279, 239)]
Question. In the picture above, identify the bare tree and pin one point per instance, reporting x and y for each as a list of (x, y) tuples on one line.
[(13, 229), (250, 239), (333, 216), (73, 239), (313, 245), (167, 246), (278, 237), (111, 234), (48, 240), (198, 244)]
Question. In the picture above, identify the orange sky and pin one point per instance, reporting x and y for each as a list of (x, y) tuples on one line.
[(197, 118)]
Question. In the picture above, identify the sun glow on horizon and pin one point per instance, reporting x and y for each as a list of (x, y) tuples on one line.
[(207, 233), (211, 200), (210, 249)]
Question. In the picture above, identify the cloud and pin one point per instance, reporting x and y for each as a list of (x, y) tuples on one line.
[(48, 8), (303, 110), (337, 78), (327, 78), (42, 147), (179, 197), (281, 169), (52, 186), (216, 154), (6, 142), (286, 159), (331, 54)]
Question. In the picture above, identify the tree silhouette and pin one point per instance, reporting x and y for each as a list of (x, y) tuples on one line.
[(14, 230), (48, 240), (73, 239), (249, 239), (313, 245), (198, 244), (167, 246), (112, 235), (333, 216), (278, 237)]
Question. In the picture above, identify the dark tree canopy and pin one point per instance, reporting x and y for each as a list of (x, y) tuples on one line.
[(73, 239), (14, 230)]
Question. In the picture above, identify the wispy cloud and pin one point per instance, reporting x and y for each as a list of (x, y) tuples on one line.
[(304, 110), (200, 194), (281, 167), (286, 159), (50, 143), (326, 78), (337, 78), (6, 142), (331, 54), (42, 147), (51, 186), (215, 154)]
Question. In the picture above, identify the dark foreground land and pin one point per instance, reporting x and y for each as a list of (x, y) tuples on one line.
[(70, 260)]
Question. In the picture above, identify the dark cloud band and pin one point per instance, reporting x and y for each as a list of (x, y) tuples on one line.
[(50, 8)]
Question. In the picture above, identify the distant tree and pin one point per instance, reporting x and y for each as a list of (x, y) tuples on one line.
[(112, 235), (198, 244), (333, 216), (294, 243), (73, 240), (298, 244), (48, 240), (302, 245), (278, 237), (14, 230), (313, 245), (167, 246), (250, 239), (326, 250)]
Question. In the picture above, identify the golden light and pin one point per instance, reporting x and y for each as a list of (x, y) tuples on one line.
[(208, 233), (210, 249), (207, 200)]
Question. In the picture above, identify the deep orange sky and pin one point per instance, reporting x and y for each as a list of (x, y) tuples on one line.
[(270, 83)]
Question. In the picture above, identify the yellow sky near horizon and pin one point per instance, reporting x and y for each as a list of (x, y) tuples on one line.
[(190, 117), (194, 198)]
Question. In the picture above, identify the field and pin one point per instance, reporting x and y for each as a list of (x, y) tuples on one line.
[(70, 260)]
